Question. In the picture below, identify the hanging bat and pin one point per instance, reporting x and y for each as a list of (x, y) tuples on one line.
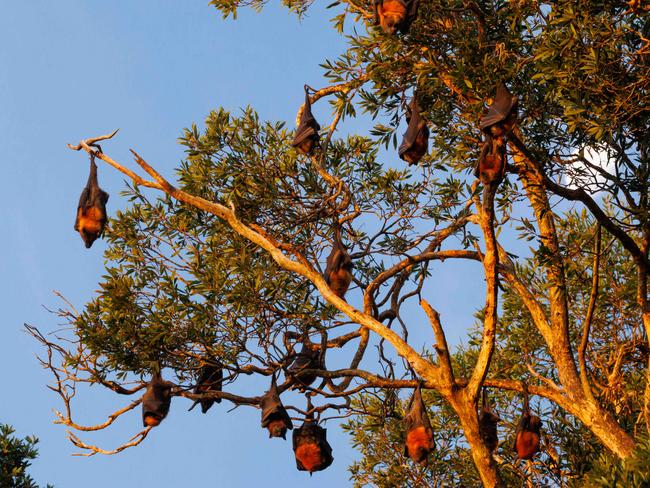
[(395, 15), (501, 115), (307, 358), (307, 137), (313, 452), (210, 379), (415, 142), (528, 432), (419, 434), (156, 401), (338, 269), (274, 416), (91, 211), (491, 167), (487, 425)]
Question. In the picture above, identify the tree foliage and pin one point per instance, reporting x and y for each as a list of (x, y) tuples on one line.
[(226, 266), (15, 457)]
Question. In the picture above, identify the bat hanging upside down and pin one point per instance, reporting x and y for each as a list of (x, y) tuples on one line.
[(528, 432), (156, 401), (274, 416), (419, 434), (498, 121), (210, 379), (415, 143), (91, 211), (307, 137), (338, 270), (487, 425), (313, 452)]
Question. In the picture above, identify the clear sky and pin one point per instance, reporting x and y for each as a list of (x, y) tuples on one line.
[(72, 69)]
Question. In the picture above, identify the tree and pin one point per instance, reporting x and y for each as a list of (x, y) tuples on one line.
[(615, 364), (226, 266), (15, 457)]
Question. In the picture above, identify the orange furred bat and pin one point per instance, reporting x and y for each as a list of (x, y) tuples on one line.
[(307, 358), (91, 210), (528, 432), (274, 416), (491, 167), (395, 15), (338, 270), (487, 425), (307, 137), (419, 434), (310, 446), (415, 143), (210, 379), (156, 401)]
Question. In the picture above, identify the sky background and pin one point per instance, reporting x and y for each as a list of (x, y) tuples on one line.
[(75, 69)]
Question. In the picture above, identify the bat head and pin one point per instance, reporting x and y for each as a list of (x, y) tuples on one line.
[(395, 15), (277, 427), (88, 237)]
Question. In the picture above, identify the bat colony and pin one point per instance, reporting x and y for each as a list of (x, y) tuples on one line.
[(310, 446)]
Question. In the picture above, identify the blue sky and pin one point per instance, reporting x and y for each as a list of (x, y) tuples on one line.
[(74, 69)]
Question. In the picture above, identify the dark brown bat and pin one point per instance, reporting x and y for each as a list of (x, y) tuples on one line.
[(156, 401), (395, 15), (307, 137), (415, 143), (338, 269), (307, 358), (419, 434), (487, 425), (501, 115), (496, 123), (91, 211), (491, 167), (210, 379), (528, 432), (313, 452), (274, 416)]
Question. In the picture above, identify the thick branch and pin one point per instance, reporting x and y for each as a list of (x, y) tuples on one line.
[(586, 326)]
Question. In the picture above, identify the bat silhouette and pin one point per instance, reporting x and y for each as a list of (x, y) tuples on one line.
[(415, 143), (274, 416), (307, 137)]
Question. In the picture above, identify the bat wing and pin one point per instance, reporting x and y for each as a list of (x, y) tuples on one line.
[(411, 14), (415, 125), (521, 426), (272, 407), (417, 416), (308, 127), (334, 263), (504, 103)]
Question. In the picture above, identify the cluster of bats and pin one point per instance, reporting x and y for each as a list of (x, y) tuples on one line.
[(310, 446), (312, 451)]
